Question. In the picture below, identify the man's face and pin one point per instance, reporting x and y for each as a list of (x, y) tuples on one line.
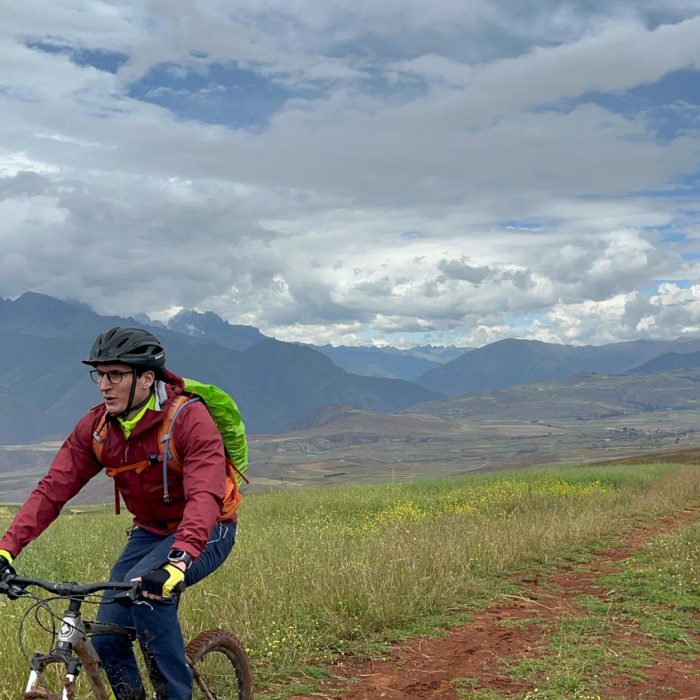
[(115, 386)]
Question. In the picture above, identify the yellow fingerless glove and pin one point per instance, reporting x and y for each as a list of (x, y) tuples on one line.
[(164, 581), (177, 576), (4, 553), (5, 563)]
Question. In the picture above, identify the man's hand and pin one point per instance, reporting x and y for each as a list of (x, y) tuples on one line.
[(163, 582), (5, 564)]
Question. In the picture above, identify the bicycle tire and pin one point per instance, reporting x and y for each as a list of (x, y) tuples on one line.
[(40, 695), (220, 667)]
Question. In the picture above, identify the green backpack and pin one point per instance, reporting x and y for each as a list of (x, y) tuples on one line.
[(224, 411)]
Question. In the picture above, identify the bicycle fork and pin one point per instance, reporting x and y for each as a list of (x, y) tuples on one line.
[(74, 651)]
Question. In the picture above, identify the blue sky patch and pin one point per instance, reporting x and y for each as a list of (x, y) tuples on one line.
[(101, 59), (523, 321), (653, 291), (670, 107), (219, 94), (667, 236)]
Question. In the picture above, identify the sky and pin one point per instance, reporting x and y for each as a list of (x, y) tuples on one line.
[(404, 172)]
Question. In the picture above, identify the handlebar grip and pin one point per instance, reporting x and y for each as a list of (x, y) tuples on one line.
[(13, 586), (11, 589)]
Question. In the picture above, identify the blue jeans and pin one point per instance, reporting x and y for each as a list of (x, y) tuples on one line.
[(156, 624)]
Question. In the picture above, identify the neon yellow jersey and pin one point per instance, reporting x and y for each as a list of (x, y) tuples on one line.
[(128, 425)]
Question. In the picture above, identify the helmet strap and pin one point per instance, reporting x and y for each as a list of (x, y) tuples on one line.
[(129, 404)]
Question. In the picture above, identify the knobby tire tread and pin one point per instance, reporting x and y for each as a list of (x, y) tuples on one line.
[(222, 641)]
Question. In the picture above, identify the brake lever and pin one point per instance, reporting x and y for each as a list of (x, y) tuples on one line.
[(131, 597), (12, 591)]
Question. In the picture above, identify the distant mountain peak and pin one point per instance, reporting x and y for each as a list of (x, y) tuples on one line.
[(44, 300), (211, 326)]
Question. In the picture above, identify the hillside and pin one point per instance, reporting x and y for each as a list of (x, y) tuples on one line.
[(670, 361), (582, 397), (512, 362), (555, 633), (589, 417)]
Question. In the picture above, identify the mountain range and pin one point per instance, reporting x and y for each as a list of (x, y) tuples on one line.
[(513, 362), (44, 388), (278, 385), (387, 362)]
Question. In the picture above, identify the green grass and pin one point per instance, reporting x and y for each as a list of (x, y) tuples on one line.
[(321, 572)]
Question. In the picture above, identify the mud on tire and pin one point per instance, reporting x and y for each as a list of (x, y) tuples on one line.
[(220, 667)]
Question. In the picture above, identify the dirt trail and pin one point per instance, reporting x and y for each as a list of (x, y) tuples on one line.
[(425, 667)]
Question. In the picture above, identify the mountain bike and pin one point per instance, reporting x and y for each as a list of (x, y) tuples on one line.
[(218, 660)]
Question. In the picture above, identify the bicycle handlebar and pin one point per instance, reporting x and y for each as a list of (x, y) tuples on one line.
[(14, 585)]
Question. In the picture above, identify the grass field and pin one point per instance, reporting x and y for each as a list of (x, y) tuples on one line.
[(321, 572)]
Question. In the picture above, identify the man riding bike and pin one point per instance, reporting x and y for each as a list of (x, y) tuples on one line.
[(181, 531)]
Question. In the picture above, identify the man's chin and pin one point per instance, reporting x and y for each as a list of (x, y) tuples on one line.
[(113, 409)]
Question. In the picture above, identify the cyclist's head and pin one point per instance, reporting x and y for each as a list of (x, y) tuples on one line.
[(135, 347), (127, 361)]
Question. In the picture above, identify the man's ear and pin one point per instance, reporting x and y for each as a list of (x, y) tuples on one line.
[(148, 377)]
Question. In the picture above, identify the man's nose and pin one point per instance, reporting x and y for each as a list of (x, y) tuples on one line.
[(104, 382)]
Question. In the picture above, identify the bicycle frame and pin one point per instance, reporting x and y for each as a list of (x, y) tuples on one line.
[(76, 652), (73, 648)]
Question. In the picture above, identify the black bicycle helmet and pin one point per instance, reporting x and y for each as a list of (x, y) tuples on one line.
[(132, 346)]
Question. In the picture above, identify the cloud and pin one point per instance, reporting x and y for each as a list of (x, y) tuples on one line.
[(405, 170), (673, 312), (462, 270)]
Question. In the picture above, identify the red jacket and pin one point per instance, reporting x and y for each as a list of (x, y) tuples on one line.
[(197, 491)]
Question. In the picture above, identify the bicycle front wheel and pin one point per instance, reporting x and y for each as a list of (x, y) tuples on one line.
[(219, 666)]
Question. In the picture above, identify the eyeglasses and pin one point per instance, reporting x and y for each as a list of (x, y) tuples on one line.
[(114, 376)]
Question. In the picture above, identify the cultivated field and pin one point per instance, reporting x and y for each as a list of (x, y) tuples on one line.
[(320, 575)]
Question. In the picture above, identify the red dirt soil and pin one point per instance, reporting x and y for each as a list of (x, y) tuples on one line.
[(485, 648)]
